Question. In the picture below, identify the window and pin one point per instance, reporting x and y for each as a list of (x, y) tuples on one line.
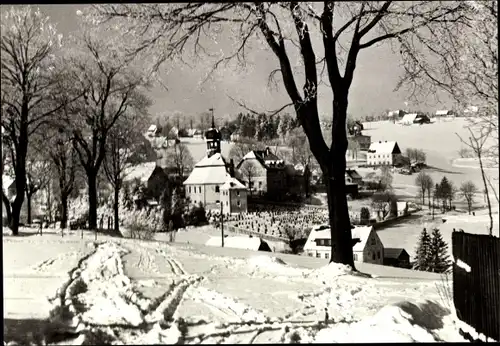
[(373, 256), (327, 255), (260, 183), (189, 189), (318, 255), (217, 201), (227, 203), (238, 193), (378, 254), (373, 241), (217, 189), (199, 189), (355, 256), (310, 254), (238, 204)]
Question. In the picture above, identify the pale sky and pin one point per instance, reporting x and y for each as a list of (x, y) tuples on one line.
[(372, 92)]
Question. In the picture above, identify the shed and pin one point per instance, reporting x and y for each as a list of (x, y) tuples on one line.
[(396, 257)]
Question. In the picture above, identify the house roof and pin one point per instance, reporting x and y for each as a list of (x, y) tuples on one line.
[(394, 252), (383, 147), (141, 171), (323, 232), (152, 128), (232, 184), (409, 118), (443, 112), (237, 242), (353, 174), (210, 170)]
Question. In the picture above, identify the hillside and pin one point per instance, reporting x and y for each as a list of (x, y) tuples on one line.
[(153, 292)]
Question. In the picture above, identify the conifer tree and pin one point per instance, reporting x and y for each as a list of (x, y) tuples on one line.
[(423, 252), (439, 262)]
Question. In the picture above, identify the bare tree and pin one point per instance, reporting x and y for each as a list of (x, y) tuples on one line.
[(28, 78), (180, 157), (123, 137), (468, 190), (113, 85), (38, 174), (425, 183), (477, 143), (64, 160), (385, 178), (283, 27), (248, 169)]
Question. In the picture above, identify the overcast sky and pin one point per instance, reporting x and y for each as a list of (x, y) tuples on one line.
[(372, 92)]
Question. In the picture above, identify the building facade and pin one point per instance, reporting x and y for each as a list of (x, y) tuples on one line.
[(211, 182), (382, 153)]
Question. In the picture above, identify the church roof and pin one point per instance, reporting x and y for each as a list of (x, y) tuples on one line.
[(210, 170)]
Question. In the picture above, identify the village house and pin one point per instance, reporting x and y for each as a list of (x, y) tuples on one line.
[(382, 153), (362, 141), (152, 131), (445, 113), (212, 180), (415, 118), (353, 177), (268, 172), (396, 257), (397, 114), (150, 176), (367, 246)]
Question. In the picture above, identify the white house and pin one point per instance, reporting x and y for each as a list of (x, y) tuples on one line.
[(414, 118), (382, 153), (367, 247)]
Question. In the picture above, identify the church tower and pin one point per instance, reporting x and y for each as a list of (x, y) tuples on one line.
[(213, 138)]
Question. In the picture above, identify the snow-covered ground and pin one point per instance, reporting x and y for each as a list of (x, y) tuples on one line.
[(143, 292)]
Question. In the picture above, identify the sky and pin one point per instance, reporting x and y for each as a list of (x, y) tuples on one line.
[(372, 91)]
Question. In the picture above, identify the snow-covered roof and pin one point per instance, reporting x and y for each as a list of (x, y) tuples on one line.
[(401, 205), (362, 233), (409, 118), (210, 170), (237, 242), (383, 147), (232, 184), (141, 171), (443, 112), (471, 109), (152, 128), (323, 232)]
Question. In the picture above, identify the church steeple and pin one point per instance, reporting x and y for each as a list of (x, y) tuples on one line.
[(213, 137)]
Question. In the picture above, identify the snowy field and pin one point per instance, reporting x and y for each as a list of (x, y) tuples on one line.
[(150, 292)]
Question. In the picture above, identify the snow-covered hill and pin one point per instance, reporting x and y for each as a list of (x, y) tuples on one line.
[(140, 292)]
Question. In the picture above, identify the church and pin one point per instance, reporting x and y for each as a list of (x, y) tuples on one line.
[(212, 181)]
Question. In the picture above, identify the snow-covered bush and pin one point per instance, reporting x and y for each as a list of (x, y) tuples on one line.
[(142, 224)]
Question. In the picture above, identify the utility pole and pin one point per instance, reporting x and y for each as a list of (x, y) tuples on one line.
[(222, 221)]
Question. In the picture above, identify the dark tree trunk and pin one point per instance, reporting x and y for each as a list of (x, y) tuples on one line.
[(28, 202), (92, 182), (340, 224), (20, 172), (429, 198), (64, 210), (116, 207), (6, 206)]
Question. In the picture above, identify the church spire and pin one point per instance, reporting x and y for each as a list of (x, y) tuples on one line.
[(213, 118)]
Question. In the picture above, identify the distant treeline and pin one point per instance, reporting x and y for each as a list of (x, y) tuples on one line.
[(262, 127)]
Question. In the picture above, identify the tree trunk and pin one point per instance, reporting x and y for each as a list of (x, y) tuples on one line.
[(487, 195), (28, 202), (116, 207), (64, 210), (429, 198), (340, 225), (6, 206), (92, 182)]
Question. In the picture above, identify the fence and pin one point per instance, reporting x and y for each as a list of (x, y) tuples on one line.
[(476, 284)]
